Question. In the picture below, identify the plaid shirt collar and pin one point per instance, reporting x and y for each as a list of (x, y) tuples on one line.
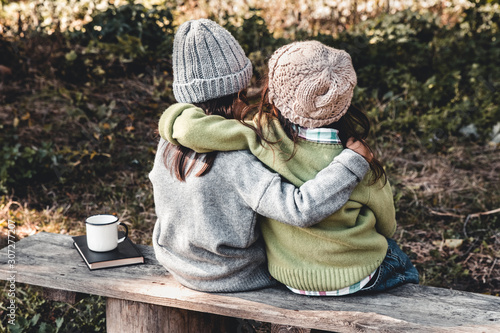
[(320, 135)]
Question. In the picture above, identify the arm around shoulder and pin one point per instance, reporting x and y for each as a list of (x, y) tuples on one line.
[(189, 126), (353, 161), (167, 120), (316, 199)]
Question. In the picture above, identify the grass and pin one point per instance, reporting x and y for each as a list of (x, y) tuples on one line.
[(445, 224), (81, 147)]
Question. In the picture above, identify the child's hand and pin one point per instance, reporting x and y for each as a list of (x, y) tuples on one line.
[(360, 148)]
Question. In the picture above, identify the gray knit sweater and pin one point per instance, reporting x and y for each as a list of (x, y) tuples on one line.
[(206, 233)]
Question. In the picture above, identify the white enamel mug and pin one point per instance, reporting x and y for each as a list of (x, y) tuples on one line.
[(102, 232)]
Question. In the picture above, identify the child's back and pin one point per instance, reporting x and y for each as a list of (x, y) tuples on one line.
[(340, 250)]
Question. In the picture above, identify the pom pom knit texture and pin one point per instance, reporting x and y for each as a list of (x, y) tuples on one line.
[(310, 83)]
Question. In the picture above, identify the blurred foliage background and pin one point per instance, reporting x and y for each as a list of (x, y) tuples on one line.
[(83, 83)]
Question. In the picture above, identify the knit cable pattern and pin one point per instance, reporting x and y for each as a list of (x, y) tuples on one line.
[(310, 83)]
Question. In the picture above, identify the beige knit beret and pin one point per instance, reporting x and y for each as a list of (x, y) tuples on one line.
[(310, 83)]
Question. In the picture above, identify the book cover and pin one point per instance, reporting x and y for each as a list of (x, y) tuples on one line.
[(125, 254)]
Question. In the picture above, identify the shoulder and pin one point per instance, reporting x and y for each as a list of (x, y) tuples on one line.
[(243, 167), (244, 161), (240, 173)]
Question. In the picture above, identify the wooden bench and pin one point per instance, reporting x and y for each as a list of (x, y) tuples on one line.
[(145, 298)]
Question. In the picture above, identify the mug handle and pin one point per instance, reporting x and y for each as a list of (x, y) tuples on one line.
[(126, 232)]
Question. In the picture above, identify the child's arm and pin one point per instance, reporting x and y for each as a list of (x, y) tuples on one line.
[(360, 148), (189, 126), (317, 198)]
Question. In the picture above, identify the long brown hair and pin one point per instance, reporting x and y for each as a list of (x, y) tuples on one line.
[(180, 160), (353, 124)]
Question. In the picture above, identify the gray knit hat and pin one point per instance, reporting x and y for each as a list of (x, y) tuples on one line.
[(310, 83), (208, 62)]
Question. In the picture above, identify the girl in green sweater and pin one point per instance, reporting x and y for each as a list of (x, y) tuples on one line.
[(303, 122)]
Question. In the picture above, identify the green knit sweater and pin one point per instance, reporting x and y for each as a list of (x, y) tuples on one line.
[(333, 254)]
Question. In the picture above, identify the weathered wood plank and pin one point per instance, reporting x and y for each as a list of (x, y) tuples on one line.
[(59, 295), (49, 260), (276, 328), (129, 316)]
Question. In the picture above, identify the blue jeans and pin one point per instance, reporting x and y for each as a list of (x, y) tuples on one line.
[(395, 270)]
